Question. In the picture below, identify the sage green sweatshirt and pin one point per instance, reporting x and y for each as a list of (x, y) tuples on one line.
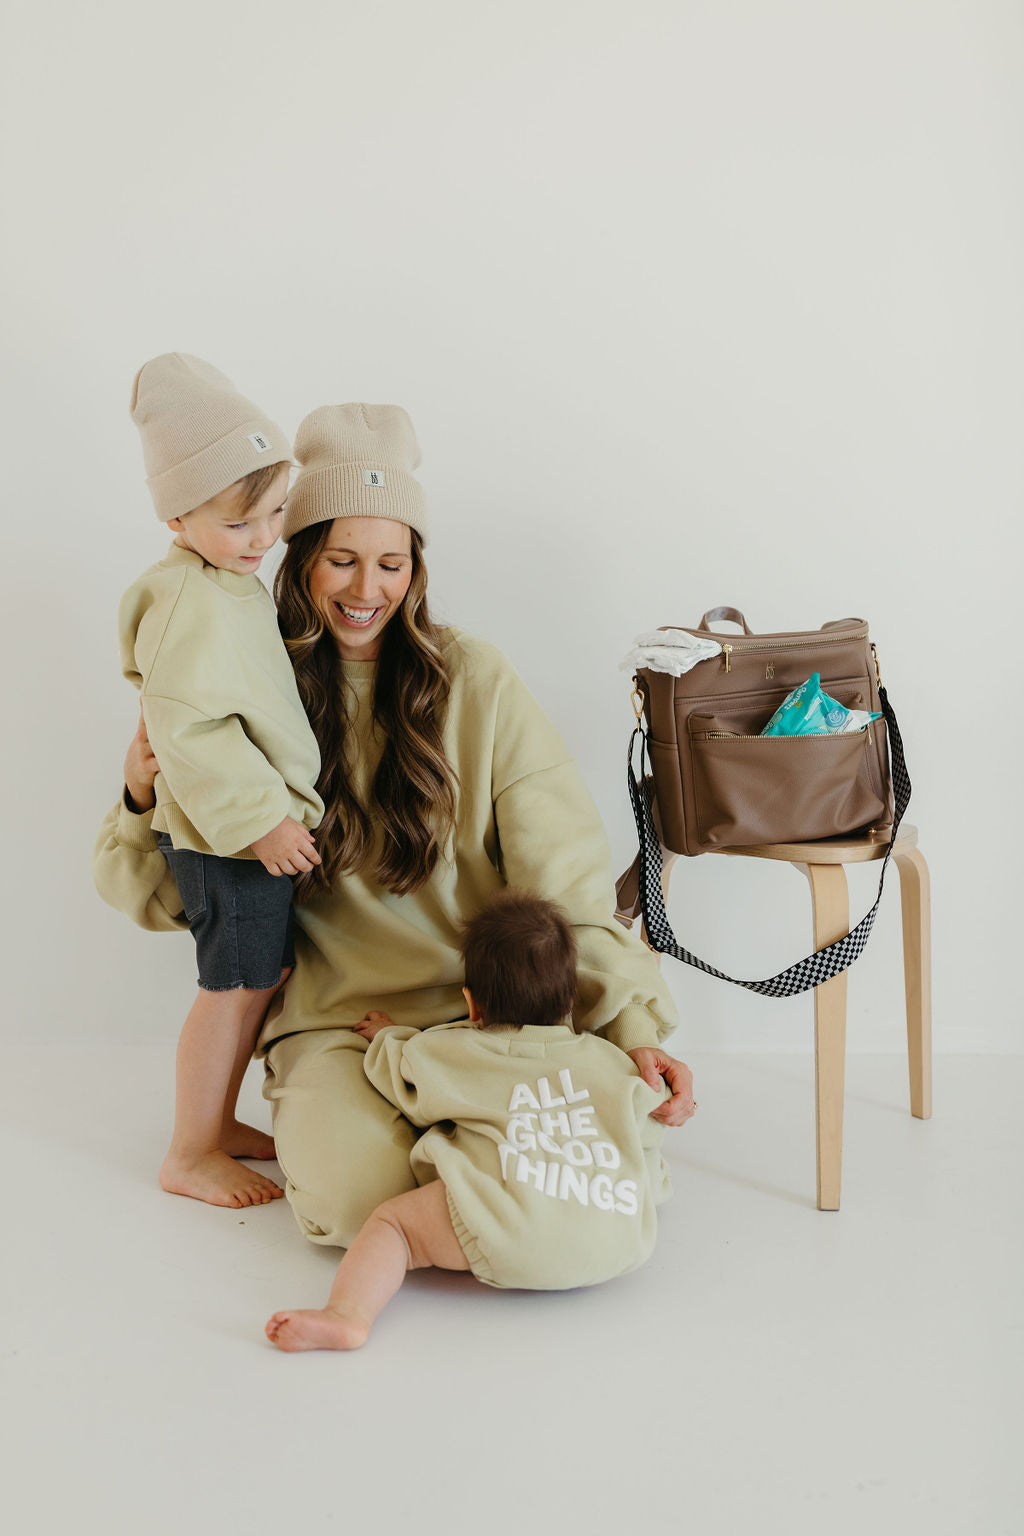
[(524, 817), (236, 752), (543, 1140)]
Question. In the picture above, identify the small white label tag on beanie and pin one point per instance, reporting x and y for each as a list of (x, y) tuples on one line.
[(260, 443), (373, 477)]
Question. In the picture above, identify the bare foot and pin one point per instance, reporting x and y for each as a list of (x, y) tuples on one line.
[(239, 1140), (292, 1331), (219, 1180)]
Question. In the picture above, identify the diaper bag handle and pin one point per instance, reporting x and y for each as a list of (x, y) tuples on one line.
[(723, 616)]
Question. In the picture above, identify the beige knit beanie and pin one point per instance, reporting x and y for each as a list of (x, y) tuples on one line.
[(199, 435), (355, 461)]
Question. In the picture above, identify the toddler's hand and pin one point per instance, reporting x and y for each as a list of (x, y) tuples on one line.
[(372, 1025), (287, 850)]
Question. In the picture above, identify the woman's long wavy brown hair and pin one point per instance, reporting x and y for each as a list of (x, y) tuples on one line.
[(412, 797)]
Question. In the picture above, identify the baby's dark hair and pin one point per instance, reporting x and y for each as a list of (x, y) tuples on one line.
[(520, 958)]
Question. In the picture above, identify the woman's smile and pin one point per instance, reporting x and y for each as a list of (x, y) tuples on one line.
[(360, 580), (359, 617)]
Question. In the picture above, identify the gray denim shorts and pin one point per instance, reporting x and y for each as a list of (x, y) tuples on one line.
[(240, 917)]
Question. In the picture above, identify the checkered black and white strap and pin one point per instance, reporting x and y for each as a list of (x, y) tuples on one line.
[(804, 974)]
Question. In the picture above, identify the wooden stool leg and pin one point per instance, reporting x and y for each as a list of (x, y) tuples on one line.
[(831, 911), (915, 899)]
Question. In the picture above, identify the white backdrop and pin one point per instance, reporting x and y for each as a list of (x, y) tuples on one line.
[(690, 303)]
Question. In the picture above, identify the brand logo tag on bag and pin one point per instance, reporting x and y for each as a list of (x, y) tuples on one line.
[(373, 477), (769, 671)]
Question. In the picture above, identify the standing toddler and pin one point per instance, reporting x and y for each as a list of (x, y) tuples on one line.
[(235, 792), (541, 1166)]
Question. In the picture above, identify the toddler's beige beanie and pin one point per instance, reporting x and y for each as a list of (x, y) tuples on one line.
[(199, 435), (356, 461)]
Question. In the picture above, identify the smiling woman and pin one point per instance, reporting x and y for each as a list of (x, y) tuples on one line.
[(442, 781)]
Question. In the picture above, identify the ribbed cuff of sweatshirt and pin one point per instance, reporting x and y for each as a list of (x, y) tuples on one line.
[(135, 828), (634, 1027)]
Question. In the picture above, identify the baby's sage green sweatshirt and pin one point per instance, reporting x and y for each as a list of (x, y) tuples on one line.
[(543, 1140)]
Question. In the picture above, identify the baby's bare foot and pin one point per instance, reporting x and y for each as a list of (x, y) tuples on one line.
[(239, 1140), (219, 1180), (293, 1331)]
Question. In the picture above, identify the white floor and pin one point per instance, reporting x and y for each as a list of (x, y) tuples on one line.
[(773, 1369)]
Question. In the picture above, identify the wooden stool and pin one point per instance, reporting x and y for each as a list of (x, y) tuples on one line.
[(822, 863)]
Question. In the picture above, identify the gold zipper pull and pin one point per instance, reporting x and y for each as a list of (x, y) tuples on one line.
[(727, 653), (871, 739)]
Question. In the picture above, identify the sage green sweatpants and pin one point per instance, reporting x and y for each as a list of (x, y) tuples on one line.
[(343, 1148)]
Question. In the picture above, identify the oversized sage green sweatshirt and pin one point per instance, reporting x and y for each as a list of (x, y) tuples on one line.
[(236, 752), (543, 1140), (524, 817)]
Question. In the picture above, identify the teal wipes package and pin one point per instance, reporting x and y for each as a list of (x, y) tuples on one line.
[(809, 711)]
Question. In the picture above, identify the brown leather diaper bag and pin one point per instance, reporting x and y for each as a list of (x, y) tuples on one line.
[(707, 779), (719, 783)]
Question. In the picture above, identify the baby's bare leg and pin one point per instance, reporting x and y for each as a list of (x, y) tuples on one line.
[(412, 1231), (219, 1028)]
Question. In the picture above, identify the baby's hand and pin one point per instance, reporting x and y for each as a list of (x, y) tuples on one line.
[(374, 1022), (287, 850)]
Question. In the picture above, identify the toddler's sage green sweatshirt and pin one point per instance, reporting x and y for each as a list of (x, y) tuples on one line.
[(543, 1140), (236, 752), (524, 817)]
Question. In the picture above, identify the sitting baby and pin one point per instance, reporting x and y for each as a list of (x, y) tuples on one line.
[(547, 1170)]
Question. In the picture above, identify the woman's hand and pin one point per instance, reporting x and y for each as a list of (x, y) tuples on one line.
[(655, 1066), (140, 770), (374, 1022)]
